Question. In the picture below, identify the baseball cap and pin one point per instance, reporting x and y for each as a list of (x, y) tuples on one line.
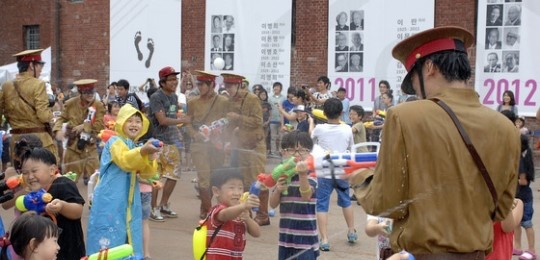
[(299, 108), (163, 73), (428, 42)]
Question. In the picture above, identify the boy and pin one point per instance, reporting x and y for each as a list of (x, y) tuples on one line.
[(356, 114), (303, 119), (334, 137), (298, 223), (230, 218)]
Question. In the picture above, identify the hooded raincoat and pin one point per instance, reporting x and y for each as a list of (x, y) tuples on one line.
[(116, 214)]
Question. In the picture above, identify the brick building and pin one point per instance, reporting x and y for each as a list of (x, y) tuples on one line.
[(78, 31)]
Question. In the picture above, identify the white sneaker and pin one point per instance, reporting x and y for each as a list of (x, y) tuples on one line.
[(167, 212), (155, 215)]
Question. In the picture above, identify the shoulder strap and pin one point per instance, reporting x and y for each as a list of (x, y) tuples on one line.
[(16, 86), (213, 235), (476, 158), (209, 109)]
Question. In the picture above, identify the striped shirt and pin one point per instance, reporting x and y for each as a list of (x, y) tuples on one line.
[(230, 241)]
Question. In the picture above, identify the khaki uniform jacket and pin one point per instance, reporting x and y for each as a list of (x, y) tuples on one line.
[(427, 181), (250, 125), (21, 115), (74, 114), (199, 108)]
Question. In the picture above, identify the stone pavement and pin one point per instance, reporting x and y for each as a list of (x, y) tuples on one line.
[(172, 239)]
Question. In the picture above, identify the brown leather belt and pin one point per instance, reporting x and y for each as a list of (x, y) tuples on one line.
[(476, 255), (20, 131)]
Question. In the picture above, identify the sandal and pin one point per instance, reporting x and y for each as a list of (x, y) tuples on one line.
[(517, 252), (324, 247), (527, 255)]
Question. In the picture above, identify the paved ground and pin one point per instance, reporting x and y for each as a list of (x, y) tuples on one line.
[(172, 239)]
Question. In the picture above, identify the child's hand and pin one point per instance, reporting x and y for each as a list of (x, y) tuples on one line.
[(55, 206), (282, 184), (302, 168), (252, 202), (382, 228), (157, 185), (149, 148)]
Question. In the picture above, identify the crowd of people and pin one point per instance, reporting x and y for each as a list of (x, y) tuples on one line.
[(131, 152)]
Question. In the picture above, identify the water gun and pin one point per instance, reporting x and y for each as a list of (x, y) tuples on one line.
[(118, 252), (35, 200), (7, 187), (157, 143), (71, 175), (319, 114), (106, 134), (287, 168), (215, 127), (344, 163), (86, 133), (254, 189)]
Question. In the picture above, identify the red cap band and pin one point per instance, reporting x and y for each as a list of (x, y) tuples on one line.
[(232, 80), (205, 78), (429, 48), (35, 57), (86, 86)]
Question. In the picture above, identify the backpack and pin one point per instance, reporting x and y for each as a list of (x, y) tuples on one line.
[(200, 247), (139, 101)]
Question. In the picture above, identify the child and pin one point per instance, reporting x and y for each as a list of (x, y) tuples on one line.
[(524, 193), (267, 110), (333, 137), (39, 171), (356, 114), (503, 233), (109, 119), (380, 227), (116, 214), (34, 237), (303, 118), (230, 218), (146, 186), (520, 124), (298, 236)]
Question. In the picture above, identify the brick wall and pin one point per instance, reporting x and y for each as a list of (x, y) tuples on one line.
[(193, 30)]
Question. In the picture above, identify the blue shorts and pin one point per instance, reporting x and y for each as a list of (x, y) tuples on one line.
[(324, 190), (526, 221), (146, 197)]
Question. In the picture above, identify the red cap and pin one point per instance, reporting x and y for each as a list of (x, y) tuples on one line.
[(163, 73), (232, 78), (29, 55)]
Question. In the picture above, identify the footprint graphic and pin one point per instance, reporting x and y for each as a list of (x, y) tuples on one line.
[(138, 39), (150, 46)]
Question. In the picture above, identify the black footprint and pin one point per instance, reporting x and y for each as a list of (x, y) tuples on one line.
[(150, 46), (138, 39)]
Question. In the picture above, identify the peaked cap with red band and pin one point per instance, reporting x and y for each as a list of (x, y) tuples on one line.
[(204, 76), (423, 44), (29, 56), (232, 78), (85, 84)]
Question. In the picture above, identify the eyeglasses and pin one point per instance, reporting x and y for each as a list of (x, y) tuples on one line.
[(297, 151)]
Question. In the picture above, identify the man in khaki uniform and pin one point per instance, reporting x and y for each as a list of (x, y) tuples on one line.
[(426, 179), (84, 118), (207, 155), (245, 116), (24, 102)]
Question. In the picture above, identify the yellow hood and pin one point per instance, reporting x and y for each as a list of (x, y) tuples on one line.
[(126, 112)]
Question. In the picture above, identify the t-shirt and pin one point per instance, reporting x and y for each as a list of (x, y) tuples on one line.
[(273, 100), (502, 243), (319, 95), (382, 241), (71, 239), (160, 101), (230, 241), (303, 126), (287, 106), (360, 136), (298, 222), (345, 112), (335, 138)]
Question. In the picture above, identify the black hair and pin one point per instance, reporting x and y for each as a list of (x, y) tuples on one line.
[(411, 98), (385, 82), (221, 175), (522, 119), (526, 162), (26, 227), (390, 95), (511, 95), (291, 90), (262, 90), (23, 66), (453, 65), (277, 83), (25, 144), (110, 105), (341, 89), (123, 83), (39, 154), (295, 138), (332, 108), (300, 93), (358, 109), (510, 115), (325, 80)]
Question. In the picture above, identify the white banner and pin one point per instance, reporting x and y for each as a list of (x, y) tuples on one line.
[(506, 53), (252, 37), (145, 37), (361, 36)]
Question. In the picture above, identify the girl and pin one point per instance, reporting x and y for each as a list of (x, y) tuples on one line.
[(39, 171), (508, 102), (520, 124), (112, 111), (33, 237)]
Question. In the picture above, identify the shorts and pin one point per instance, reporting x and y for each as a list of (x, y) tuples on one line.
[(169, 162), (324, 190), (146, 197), (528, 211)]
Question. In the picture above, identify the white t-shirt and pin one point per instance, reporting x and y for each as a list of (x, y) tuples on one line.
[(334, 138)]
